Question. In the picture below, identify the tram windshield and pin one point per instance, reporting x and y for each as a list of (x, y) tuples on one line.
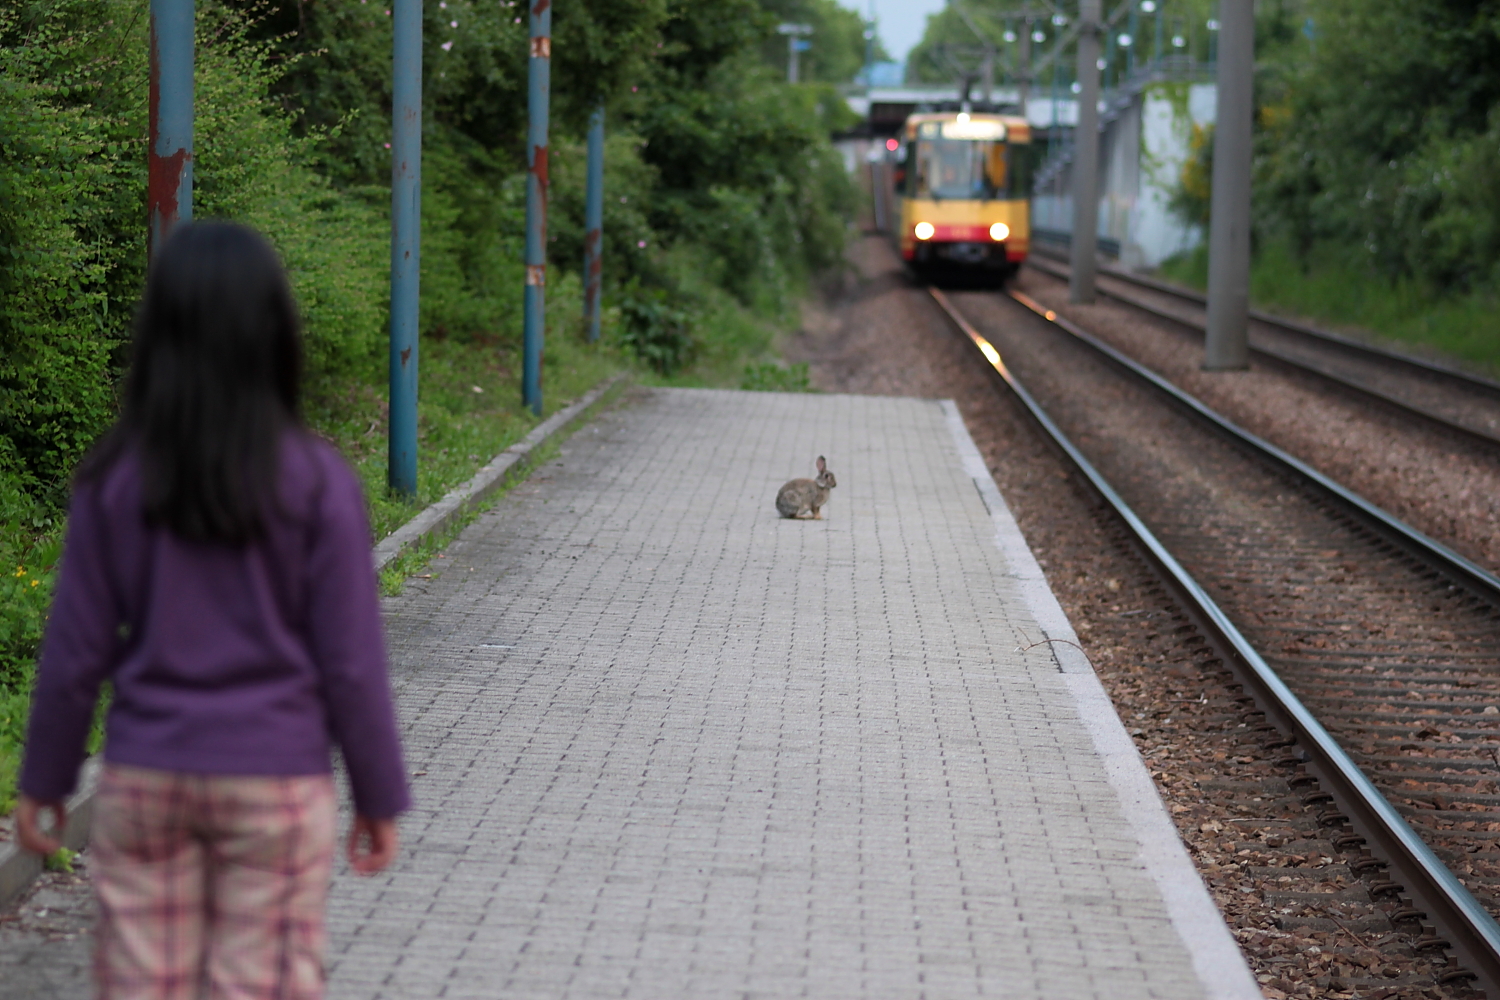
[(974, 162)]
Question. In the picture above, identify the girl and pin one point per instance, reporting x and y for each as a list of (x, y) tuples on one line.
[(217, 573)]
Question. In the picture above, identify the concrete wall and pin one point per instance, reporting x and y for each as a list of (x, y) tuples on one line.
[(1144, 143)]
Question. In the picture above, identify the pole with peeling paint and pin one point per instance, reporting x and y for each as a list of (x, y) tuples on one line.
[(169, 168), (1086, 159), (593, 221), (1226, 344), (406, 257), (540, 81)]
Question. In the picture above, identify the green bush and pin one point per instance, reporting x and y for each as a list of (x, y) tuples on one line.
[(657, 328), (768, 376), (1381, 133)]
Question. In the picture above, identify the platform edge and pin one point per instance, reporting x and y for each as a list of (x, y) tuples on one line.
[(490, 477), (1217, 959)]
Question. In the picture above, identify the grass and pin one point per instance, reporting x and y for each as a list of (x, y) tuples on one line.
[(468, 410), (1337, 289)]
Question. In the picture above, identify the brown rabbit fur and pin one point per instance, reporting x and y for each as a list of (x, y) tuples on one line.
[(802, 496)]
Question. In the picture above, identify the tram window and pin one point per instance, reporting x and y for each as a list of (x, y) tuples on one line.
[(1022, 159), (972, 169), (997, 165)]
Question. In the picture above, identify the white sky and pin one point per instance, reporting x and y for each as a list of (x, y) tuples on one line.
[(902, 22)]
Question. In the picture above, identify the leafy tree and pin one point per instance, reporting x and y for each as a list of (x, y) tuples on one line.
[(837, 50), (1383, 131)]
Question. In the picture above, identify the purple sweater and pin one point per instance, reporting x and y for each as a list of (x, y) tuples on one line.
[(249, 661)]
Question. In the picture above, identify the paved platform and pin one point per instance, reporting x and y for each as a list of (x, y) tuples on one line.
[(670, 745)]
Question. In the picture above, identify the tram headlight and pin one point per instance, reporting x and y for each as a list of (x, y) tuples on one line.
[(923, 230), (999, 231)]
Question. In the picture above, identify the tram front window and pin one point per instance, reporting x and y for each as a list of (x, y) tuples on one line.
[(961, 168), (968, 159)]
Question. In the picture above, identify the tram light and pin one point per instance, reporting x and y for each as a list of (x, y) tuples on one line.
[(923, 230), (999, 231)]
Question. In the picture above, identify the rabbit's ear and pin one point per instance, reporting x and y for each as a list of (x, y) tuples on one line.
[(822, 464)]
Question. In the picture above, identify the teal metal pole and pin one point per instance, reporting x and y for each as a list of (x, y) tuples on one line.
[(406, 258), (539, 80), (593, 222), (169, 160)]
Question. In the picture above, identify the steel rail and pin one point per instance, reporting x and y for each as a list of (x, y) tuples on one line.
[(1438, 420), (1468, 380), (1472, 934)]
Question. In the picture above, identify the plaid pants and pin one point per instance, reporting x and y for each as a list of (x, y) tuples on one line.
[(211, 886)]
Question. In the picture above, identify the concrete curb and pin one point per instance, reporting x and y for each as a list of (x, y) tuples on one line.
[(19, 868), (489, 478)]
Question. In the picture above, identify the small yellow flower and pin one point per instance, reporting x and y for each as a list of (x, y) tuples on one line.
[(35, 582), (20, 571)]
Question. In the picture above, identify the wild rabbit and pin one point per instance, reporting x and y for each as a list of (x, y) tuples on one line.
[(801, 496)]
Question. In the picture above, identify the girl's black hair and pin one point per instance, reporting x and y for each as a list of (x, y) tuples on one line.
[(215, 382)]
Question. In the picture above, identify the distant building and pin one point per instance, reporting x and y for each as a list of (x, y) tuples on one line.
[(882, 74)]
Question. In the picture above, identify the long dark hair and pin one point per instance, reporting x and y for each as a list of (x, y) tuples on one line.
[(215, 382)]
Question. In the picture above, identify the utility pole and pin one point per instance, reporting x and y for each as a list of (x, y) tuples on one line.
[(1226, 346), (870, 49), (538, 104), (169, 164), (1086, 158), (406, 231), (593, 222), (1024, 77)]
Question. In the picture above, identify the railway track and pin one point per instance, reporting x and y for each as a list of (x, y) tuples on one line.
[(1458, 402), (1368, 645)]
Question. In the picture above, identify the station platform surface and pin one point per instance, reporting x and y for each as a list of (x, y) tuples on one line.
[(670, 745)]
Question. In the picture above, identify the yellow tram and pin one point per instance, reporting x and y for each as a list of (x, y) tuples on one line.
[(963, 185)]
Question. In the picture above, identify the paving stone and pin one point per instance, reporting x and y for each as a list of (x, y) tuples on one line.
[(677, 746), (674, 746)]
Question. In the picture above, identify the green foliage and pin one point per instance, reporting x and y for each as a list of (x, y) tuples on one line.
[(952, 45), (768, 376), (836, 46), (657, 328), (61, 167), (60, 860), (1191, 197), (1382, 132)]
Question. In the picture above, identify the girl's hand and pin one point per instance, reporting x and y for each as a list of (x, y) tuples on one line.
[(372, 844), (29, 827)]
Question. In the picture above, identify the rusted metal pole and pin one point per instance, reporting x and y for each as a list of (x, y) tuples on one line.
[(169, 166), (1086, 159), (593, 222), (540, 83), (406, 230), (1226, 343)]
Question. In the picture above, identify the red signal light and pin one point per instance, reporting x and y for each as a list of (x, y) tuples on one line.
[(892, 144)]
